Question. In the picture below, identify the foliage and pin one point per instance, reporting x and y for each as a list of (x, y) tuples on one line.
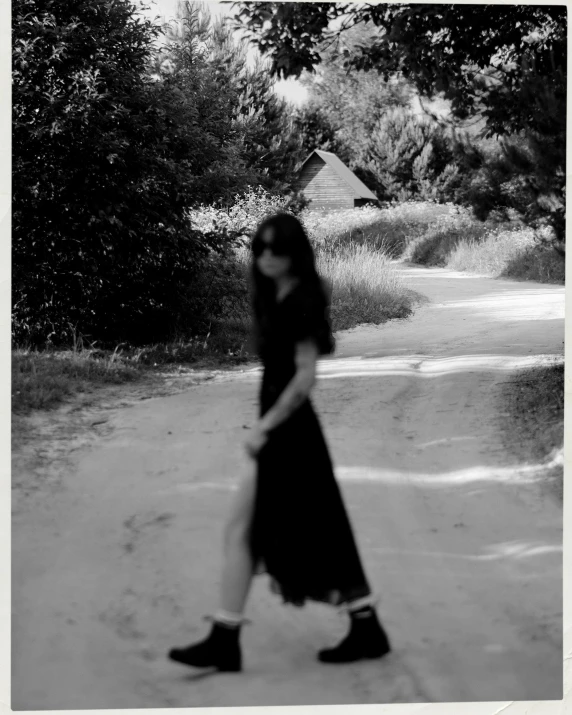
[(115, 138), (511, 252), (461, 50), (262, 126), (410, 157), (42, 380), (106, 162), (317, 132), (503, 63), (241, 218), (352, 102)]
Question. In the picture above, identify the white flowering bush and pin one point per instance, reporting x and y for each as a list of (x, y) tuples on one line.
[(242, 217)]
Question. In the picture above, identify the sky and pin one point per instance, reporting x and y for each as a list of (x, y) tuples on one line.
[(167, 9)]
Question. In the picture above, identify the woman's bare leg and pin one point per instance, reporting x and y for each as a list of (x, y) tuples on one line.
[(221, 649), (238, 568)]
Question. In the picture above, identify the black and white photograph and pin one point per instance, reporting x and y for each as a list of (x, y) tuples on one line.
[(287, 353)]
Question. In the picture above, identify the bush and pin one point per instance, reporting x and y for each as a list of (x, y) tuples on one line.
[(509, 251), (435, 247), (536, 263)]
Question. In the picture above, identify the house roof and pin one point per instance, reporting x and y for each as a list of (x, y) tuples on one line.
[(360, 189)]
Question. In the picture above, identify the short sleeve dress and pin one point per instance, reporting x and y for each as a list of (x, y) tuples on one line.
[(300, 533)]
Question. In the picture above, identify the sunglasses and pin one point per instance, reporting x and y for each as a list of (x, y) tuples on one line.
[(277, 247)]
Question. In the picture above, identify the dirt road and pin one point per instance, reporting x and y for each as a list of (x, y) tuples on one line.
[(116, 556)]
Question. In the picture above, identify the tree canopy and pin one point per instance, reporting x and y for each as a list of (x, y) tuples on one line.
[(476, 55), (504, 64)]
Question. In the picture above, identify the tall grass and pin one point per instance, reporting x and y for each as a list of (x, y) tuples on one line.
[(389, 230), (366, 288), (41, 380)]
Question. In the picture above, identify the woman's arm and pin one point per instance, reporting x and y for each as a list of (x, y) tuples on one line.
[(297, 390), (294, 394)]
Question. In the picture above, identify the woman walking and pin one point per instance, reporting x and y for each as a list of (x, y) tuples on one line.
[(289, 519)]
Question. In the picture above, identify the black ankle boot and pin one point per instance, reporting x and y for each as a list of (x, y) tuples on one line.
[(220, 650), (366, 639)]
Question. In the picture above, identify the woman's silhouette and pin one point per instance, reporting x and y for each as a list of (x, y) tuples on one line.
[(289, 519)]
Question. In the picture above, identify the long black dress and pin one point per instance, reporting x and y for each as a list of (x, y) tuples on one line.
[(300, 533)]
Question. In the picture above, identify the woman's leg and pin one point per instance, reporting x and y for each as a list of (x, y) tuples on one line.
[(238, 567), (221, 648)]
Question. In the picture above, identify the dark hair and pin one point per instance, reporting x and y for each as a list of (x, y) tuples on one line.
[(289, 232)]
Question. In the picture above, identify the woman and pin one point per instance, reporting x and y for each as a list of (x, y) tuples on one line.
[(289, 519)]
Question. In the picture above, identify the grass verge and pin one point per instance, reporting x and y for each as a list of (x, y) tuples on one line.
[(533, 425), (41, 380)]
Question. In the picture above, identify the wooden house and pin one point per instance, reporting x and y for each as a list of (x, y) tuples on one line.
[(329, 184)]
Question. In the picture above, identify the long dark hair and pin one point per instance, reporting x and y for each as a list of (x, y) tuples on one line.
[(288, 232)]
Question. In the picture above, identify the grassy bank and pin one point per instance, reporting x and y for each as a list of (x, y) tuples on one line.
[(533, 423)]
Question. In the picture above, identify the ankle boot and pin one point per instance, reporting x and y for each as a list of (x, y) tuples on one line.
[(220, 650), (366, 640)]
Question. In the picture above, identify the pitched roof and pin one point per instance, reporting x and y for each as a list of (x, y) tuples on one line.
[(360, 189)]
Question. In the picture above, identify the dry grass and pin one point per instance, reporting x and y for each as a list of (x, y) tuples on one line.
[(42, 380), (366, 288), (389, 230)]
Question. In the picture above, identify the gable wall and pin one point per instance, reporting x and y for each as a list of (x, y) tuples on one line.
[(323, 187)]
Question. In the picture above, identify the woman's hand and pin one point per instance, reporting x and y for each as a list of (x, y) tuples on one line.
[(256, 441)]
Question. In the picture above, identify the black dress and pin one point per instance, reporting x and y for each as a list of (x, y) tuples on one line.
[(300, 533)]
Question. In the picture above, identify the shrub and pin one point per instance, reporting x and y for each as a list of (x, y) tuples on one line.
[(536, 263), (438, 243)]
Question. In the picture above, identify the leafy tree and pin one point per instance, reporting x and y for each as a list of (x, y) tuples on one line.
[(408, 155), (315, 129), (99, 227), (353, 101), (461, 50), (115, 137), (259, 123)]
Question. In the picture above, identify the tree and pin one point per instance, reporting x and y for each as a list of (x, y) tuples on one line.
[(408, 155), (259, 123), (506, 63), (106, 162), (353, 101)]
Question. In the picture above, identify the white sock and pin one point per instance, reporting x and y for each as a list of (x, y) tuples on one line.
[(227, 618), (360, 603)]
